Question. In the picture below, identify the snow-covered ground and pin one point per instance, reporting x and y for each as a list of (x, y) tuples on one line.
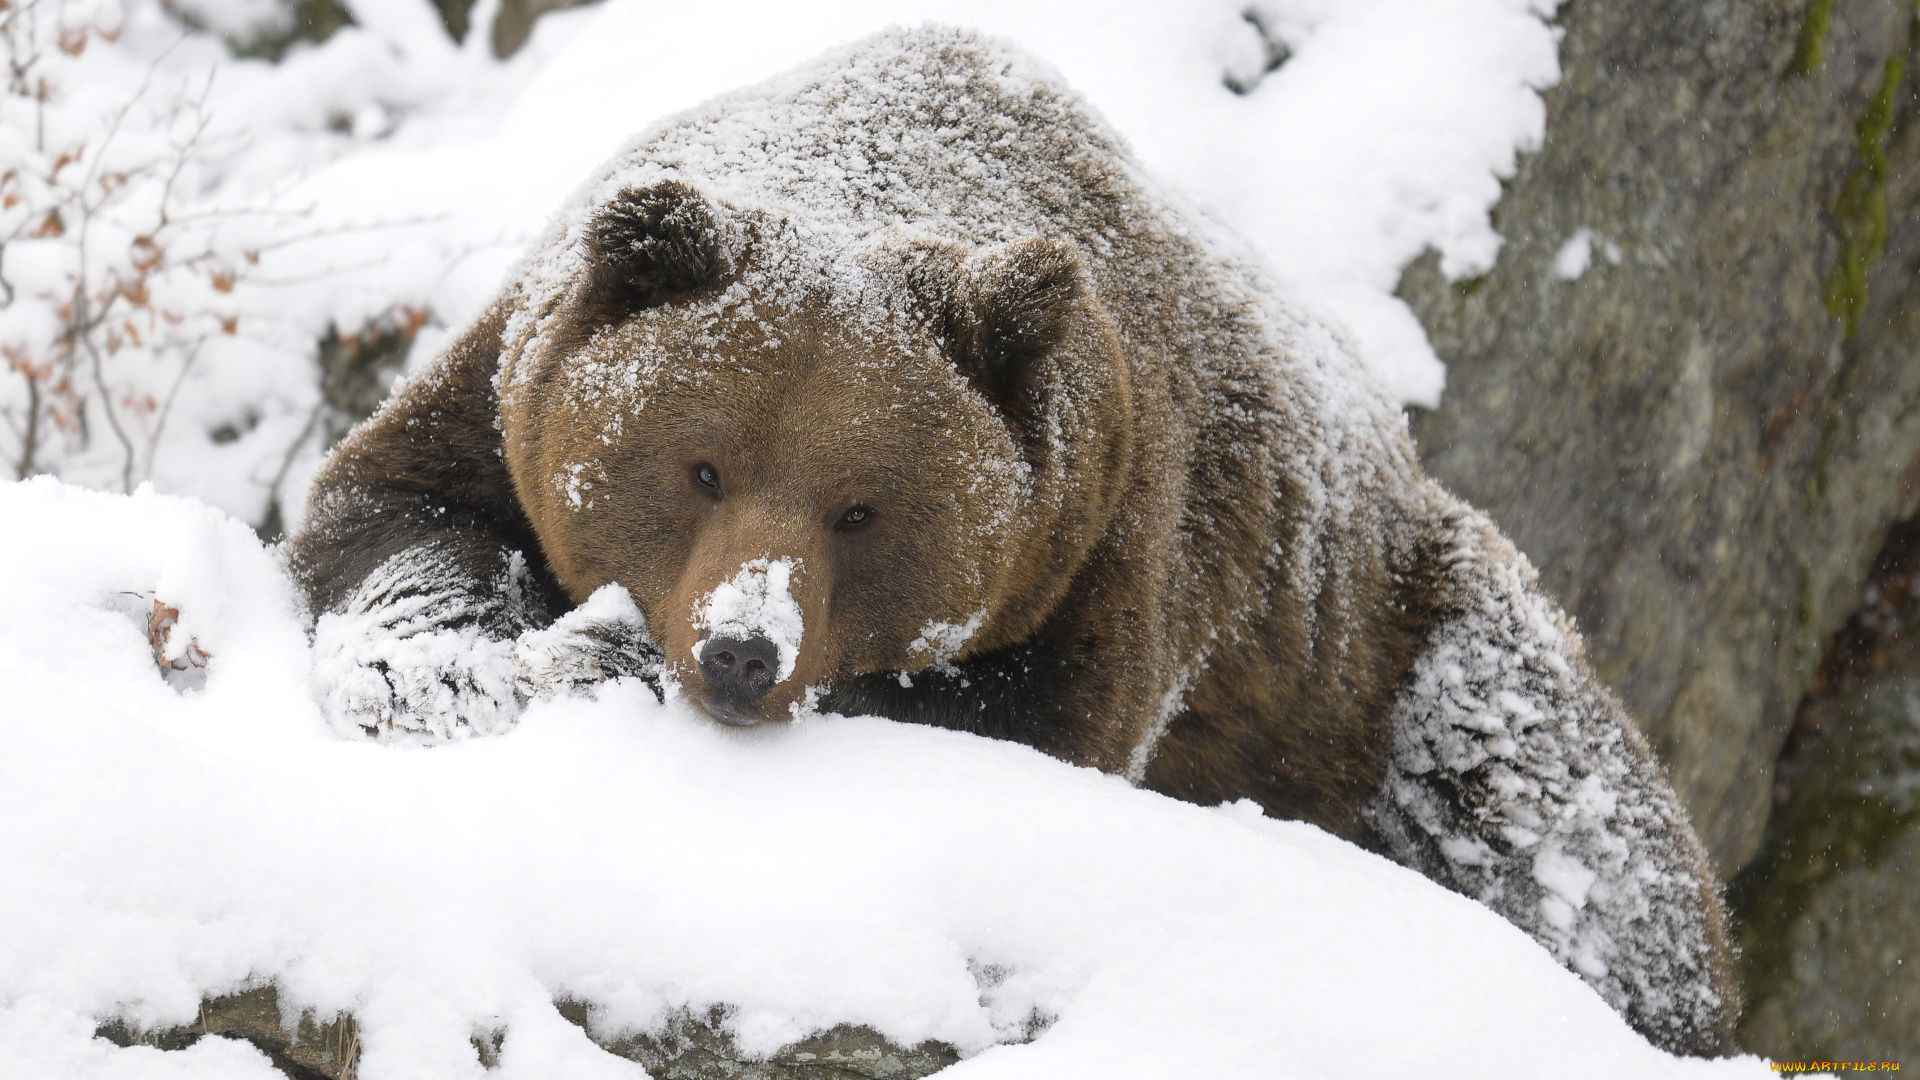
[(163, 844)]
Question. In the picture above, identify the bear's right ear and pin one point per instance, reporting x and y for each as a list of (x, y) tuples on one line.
[(649, 244)]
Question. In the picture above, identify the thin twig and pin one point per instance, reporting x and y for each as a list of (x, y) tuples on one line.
[(166, 409), (106, 396), (286, 460), (120, 115), (184, 151), (30, 443)]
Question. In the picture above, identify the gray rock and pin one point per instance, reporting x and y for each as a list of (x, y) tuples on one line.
[(1826, 912), (688, 1047), (693, 1047), (308, 1050), (512, 24), (1702, 439), (1843, 990)]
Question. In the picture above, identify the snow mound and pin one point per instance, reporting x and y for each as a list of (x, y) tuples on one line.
[(161, 846)]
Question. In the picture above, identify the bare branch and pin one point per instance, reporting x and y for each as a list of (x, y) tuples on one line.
[(293, 451), (166, 408), (106, 396)]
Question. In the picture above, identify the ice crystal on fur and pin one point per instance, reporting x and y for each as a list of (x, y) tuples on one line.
[(1514, 780), (944, 640), (416, 654)]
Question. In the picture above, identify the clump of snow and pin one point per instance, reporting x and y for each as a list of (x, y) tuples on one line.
[(944, 640), (604, 638), (1172, 703), (1574, 256), (577, 485), (756, 602), (163, 846)]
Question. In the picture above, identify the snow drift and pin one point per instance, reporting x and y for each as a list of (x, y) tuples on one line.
[(161, 845)]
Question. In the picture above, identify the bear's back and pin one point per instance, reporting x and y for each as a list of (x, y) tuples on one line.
[(935, 129)]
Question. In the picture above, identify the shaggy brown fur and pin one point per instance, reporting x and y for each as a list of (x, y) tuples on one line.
[(1050, 464)]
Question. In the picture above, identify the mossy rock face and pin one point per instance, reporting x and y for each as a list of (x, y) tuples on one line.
[(1829, 913), (1701, 440), (688, 1047), (1832, 908)]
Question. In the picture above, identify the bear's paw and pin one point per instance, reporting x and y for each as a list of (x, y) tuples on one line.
[(604, 638), (432, 684)]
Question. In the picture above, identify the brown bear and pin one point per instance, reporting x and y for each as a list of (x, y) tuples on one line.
[(896, 387)]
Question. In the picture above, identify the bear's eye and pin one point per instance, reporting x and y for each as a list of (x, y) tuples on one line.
[(854, 518), (707, 477)]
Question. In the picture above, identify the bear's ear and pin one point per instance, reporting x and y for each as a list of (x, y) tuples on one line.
[(1007, 307), (648, 244)]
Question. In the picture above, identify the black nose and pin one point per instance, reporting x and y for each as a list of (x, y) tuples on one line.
[(740, 669)]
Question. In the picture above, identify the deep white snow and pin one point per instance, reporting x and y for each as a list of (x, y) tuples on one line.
[(162, 845)]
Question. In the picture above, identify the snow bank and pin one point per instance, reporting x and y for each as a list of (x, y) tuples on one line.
[(160, 846)]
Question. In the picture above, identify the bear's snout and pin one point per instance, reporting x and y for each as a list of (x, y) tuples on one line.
[(739, 669), (745, 637)]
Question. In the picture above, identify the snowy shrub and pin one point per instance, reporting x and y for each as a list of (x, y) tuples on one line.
[(127, 329), (176, 304)]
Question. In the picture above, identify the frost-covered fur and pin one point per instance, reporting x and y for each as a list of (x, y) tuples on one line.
[(422, 652), (1132, 502), (1515, 779)]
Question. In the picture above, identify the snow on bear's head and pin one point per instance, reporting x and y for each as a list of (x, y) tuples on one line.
[(812, 454)]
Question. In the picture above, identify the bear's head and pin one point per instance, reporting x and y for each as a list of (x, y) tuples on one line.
[(810, 453)]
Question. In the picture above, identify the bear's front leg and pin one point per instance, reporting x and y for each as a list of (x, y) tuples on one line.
[(435, 609), (452, 638), (420, 647)]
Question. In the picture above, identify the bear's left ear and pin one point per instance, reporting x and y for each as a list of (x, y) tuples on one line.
[(1009, 306), (649, 244), (1024, 323)]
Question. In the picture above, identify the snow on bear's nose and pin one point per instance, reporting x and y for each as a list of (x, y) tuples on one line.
[(753, 619)]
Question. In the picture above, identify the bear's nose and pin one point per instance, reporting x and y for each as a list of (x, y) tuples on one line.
[(740, 669)]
